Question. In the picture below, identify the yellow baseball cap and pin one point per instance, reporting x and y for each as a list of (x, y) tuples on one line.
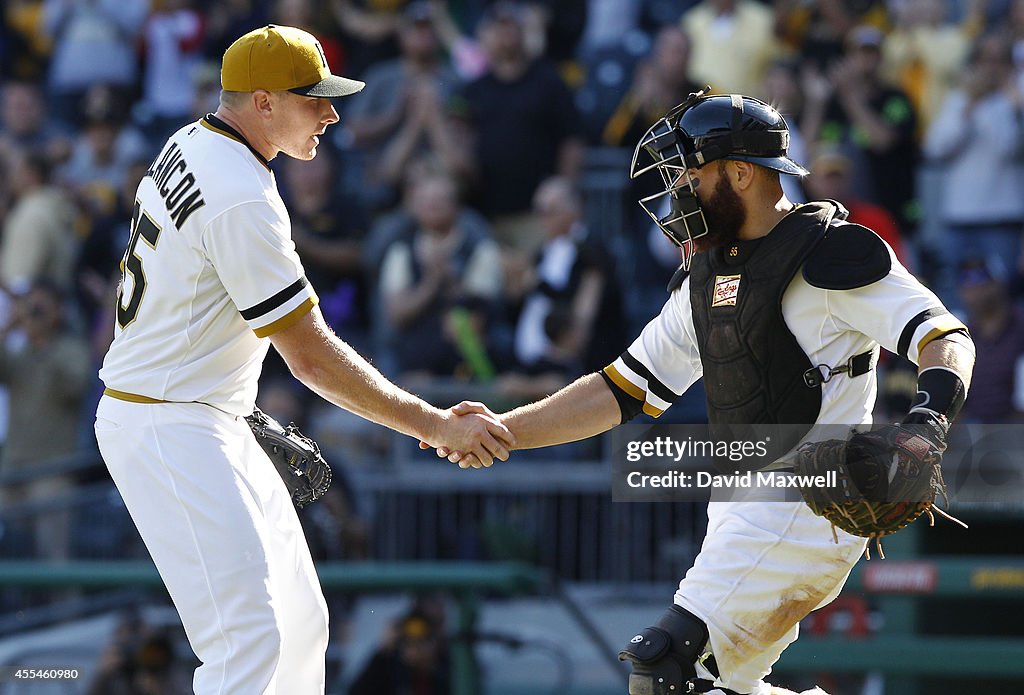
[(282, 59)]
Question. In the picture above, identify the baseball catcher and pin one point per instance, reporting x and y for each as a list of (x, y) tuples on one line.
[(772, 301), (297, 458), (891, 475)]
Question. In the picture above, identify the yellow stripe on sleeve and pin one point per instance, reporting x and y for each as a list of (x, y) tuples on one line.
[(625, 384), (652, 411), (944, 324), (288, 320)]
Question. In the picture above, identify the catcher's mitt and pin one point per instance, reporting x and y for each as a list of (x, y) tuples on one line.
[(886, 478), (297, 458)]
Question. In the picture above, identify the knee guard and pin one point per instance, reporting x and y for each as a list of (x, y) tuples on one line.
[(663, 655)]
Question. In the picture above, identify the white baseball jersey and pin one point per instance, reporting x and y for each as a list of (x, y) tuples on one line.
[(897, 312), (209, 273)]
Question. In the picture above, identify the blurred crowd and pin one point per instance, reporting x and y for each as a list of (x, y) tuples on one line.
[(146, 653), (470, 223), (455, 224)]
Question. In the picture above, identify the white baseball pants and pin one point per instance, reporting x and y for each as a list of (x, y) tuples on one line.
[(762, 568), (220, 526)]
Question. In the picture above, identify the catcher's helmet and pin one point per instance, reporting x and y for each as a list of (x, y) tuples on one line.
[(699, 131)]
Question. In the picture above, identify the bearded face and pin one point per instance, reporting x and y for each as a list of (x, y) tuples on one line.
[(723, 212)]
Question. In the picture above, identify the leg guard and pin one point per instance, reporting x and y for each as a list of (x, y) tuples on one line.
[(663, 655)]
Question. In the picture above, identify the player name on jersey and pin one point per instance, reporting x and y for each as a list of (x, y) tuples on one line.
[(176, 184)]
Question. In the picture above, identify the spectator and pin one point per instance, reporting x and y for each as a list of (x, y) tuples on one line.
[(401, 113), (873, 122), (607, 22), (39, 232), (925, 53), (25, 126), (733, 44), (550, 29), (525, 125), (553, 29), (117, 655), (431, 278), (172, 39), (566, 23), (24, 46), (399, 224), (467, 57), (97, 266), (226, 21), (368, 29), (782, 90), (412, 658), (659, 83), (978, 139), (207, 90), (143, 665), (47, 372), (655, 260), (94, 43), (429, 134), (100, 159), (572, 317), (816, 30), (328, 230), (831, 179), (997, 327)]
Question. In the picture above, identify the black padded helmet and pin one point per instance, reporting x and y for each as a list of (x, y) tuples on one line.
[(704, 129), (701, 130), (737, 127)]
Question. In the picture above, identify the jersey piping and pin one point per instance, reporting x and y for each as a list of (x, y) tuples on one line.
[(630, 375), (286, 321)]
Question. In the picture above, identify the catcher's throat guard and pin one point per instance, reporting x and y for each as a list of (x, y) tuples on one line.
[(297, 458)]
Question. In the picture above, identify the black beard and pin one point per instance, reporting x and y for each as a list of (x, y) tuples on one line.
[(724, 214)]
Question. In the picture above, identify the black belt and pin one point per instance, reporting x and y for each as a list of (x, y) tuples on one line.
[(855, 366)]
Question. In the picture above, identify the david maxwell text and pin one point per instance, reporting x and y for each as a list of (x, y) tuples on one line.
[(750, 479)]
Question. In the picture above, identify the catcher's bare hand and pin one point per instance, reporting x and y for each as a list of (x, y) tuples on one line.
[(472, 436)]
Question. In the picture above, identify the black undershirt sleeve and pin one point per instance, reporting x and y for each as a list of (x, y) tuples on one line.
[(629, 407)]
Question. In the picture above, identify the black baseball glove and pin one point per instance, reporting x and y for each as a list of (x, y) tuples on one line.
[(297, 458), (886, 478)]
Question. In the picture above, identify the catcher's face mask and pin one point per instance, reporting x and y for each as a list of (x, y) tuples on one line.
[(701, 130), (684, 221)]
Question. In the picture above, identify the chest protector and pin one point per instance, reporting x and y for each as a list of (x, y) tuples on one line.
[(753, 365)]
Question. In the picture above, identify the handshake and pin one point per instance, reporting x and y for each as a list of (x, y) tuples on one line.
[(471, 435)]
